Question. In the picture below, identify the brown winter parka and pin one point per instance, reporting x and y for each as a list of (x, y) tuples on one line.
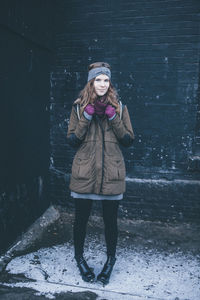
[(98, 166)]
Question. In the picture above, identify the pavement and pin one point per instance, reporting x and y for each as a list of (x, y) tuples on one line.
[(154, 261)]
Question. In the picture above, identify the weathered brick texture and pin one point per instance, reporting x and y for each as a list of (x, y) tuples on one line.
[(153, 48)]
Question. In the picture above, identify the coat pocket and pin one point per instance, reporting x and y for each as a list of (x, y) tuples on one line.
[(116, 170), (82, 168)]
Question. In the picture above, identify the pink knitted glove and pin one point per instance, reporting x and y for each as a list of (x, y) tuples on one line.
[(89, 111), (110, 112)]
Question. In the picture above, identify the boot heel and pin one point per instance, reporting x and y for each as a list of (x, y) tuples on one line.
[(86, 272), (104, 276)]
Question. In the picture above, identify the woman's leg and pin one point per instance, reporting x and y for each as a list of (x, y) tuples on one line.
[(82, 213), (110, 212)]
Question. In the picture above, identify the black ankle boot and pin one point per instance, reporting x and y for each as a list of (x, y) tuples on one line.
[(104, 276), (86, 273)]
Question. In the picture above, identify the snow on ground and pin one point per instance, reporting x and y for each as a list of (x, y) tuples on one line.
[(136, 275)]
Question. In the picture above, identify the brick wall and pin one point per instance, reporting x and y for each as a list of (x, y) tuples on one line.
[(153, 48), (25, 57)]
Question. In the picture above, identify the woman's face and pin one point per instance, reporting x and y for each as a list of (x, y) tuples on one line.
[(101, 84)]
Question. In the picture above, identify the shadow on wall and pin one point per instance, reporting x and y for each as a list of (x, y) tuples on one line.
[(25, 59)]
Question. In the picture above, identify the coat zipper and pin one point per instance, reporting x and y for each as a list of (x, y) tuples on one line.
[(103, 145)]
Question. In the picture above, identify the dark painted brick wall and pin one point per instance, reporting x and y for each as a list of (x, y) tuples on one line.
[(25, 58), (153, 48)]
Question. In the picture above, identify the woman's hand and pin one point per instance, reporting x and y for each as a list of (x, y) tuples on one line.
[(110, 112), (89, 109)]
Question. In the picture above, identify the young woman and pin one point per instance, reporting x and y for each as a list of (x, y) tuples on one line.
[(98, 124)]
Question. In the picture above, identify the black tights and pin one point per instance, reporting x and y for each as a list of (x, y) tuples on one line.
[(82, 212)]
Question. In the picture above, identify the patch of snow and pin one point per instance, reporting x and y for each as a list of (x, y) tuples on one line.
[(136, 275), (162, 181)]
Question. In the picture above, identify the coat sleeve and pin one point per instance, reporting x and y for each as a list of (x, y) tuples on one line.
[(77, 129), (123, 128)]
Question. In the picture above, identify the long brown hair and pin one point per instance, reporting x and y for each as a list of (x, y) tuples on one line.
[(88, 95)]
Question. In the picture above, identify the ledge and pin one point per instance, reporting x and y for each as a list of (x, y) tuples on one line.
[(194, 163)]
